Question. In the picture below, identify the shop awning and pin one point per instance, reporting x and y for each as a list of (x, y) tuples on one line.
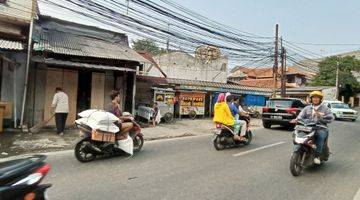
[(63, 63), (11, 45), (197, 85)]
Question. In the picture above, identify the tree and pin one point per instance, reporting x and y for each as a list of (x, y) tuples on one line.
[(148, 46), (327, 74)]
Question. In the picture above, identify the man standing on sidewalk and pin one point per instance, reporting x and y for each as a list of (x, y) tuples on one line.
[(60, 106)]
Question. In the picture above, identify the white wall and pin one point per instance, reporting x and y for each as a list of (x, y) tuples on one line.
[(20, 9), (184, 66)]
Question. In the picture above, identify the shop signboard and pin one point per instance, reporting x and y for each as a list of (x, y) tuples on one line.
[(192, 101)]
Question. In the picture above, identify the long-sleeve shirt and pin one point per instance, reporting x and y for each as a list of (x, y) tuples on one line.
[(222, 114), (60, 103), (308, 113)]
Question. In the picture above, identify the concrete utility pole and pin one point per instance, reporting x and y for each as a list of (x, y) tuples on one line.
[(337, 80), (283, 71), (276, 55)]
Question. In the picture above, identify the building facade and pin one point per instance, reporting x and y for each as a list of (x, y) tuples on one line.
[(15, 20), (87, 62), (181, 65)]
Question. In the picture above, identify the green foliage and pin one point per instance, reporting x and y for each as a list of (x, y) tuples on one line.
[(148, 46), (327, 73)]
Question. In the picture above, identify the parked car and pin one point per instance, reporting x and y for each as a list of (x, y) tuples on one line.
[(280, 111), (341, 110)]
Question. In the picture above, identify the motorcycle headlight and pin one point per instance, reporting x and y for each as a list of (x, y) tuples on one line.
[(300, 140)]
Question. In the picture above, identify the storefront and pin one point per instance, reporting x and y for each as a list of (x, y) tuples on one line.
[(207, 93), (85, 62)]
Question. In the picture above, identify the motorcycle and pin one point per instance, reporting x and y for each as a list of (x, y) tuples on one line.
[(304, 146), (21, 178), (224, 137), (87, 149)]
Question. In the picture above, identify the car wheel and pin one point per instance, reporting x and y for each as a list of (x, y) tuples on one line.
[(353, 120), (335, 117), (266, 124)]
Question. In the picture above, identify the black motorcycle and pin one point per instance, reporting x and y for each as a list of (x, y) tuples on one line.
[(224, 137), (21, 178), (304, 146), (87, 149)]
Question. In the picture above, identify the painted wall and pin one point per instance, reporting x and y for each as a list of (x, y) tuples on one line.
[(19, 9), (184, 66)]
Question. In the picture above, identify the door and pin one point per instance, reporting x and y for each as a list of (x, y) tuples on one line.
[(68, 80), (97, 90)]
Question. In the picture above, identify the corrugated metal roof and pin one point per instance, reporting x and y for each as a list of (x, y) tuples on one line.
[(12, 45), (222, 87), (68, 38), (80, 65)]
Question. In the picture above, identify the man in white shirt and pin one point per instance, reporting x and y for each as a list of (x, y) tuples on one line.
[(60, 106)]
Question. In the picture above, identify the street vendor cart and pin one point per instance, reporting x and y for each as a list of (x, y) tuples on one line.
[(164, 97)]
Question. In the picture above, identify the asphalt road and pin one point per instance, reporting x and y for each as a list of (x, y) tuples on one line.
[(190, 168)]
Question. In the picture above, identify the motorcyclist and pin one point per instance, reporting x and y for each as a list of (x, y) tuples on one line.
[(223, 114), (320, 114), (124, 123)]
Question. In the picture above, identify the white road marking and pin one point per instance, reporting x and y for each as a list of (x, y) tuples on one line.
[(357, 195), (257, 149)]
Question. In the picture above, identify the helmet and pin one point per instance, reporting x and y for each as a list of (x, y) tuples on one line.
[(316, 93)]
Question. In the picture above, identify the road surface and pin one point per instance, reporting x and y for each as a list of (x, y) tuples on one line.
[(190, 168)]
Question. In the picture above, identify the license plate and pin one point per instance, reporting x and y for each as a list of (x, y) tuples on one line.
[(216, 131), (276, 117)]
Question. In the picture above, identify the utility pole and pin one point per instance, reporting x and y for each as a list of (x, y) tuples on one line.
[(337, 80), (283, 71), (276, 55)]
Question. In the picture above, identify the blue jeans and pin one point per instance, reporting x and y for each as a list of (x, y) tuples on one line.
[(320, 138)]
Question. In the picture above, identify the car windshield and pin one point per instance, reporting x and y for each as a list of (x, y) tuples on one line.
[(340, 105), (279, 103)]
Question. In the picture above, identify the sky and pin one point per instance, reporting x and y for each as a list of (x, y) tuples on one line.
[(309, 21), (304, 21)]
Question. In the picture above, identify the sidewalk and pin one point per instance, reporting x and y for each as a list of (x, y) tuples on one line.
[(15, 143)]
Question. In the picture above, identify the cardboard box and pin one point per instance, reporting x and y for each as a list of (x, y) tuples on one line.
[(8, 112), (102, 136)]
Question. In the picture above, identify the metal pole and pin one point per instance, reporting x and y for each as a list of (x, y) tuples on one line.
[(15, 100), (276, 55), (27, 72), (337, 80), (134, 91)]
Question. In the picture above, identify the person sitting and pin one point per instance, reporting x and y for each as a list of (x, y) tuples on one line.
[(114, 107), (223, 115), (243, 115), (235, 112)]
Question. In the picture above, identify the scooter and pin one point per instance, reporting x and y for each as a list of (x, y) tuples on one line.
[(21, 178), (87, 149), (224, 137), (304, 146)]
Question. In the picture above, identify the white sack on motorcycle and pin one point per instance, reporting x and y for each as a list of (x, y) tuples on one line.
[(126, 145), (99, 120)]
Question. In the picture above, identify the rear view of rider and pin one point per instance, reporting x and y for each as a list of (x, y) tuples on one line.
[(223, 114), (319, 114)]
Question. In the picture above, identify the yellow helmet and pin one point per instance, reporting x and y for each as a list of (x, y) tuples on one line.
[(316, 93)]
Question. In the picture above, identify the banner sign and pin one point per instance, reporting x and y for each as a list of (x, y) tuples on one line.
[(192, 101)]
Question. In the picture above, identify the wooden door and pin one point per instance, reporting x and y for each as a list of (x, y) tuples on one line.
[(70, 87), (53, 80), (68, 80), (97, 90)]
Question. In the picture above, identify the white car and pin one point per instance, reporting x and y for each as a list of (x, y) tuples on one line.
[(341, 110)]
